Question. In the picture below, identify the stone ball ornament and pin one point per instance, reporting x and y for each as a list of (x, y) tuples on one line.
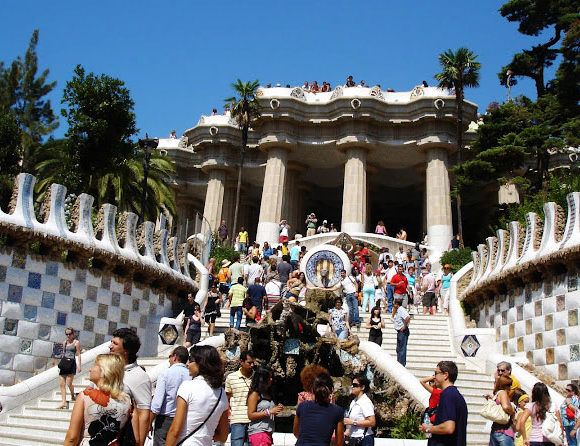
[(322, 266)]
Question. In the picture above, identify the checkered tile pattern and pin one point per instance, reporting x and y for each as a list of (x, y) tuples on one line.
[(39, 299), (540, 320)]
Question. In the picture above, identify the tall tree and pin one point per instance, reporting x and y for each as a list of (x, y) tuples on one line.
[(460, 71), (23, 90), (10, 154), (244, 108)]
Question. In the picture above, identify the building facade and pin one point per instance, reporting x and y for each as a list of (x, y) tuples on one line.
[(353, 156)]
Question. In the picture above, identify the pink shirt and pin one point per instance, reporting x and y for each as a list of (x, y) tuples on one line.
[(536, 432), (429, 280)]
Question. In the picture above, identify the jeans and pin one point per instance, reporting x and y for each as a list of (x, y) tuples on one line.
[(243, 248), (500, 439), (390, 294), (162, 424), (239, 434), (352, 303), (236, 311), (368, 296), (571, 441), (368, 440), (341, 333), (294, 264), (402, 339)]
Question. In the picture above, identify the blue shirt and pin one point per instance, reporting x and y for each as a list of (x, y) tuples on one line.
[(294, 253), (317, 423), (268, 252), (165, 399), (452, 406)]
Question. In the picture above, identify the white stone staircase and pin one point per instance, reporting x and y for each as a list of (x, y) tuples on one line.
[(40, 423)]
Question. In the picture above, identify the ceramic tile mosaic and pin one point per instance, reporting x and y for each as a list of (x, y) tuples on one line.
[(528, 295), (115, 299), (106, 282), (18, 260), (47, 299), (99, 339), (89, 323), (10, 327), (572, 318), (30, 312), (26, 346), (135, 306), (548, 288), (2, 273), (77, 305), (562, 371), (81, 275), (44, 332), (61, 318), (14, 293), (548, 322), (124, 317), (520, 313), (57, 349), (572, 283), (128, 288), (560, 302), (34, 280), (52, 268), (112, 328), (146, 294), (92, 293), (575, 352), (103, 311), (143, 321)]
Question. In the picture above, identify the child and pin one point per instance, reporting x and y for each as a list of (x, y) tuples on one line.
[(521, 398), (430, 384), (261, 408)]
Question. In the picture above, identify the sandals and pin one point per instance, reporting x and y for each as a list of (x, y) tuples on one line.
[(63, 406)]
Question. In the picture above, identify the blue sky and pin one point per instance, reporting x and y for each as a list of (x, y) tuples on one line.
[(179, 57)]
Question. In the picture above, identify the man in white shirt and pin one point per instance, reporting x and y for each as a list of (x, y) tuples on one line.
[(391, 271), (254, 271), (349, 289), (401, 325), (429, 286), (400, 256)]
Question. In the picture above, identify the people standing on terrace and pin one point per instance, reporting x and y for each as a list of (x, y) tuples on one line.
[(325, 87), (381, 229), (172, 135), (306, 86), (362, 84), (223, 232), (284, 231), (243, 240), (315, 88), (349, 82), (310, 222), (402, 234), (323, 229)]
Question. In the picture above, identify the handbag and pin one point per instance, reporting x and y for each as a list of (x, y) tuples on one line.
[(570, 414), (204, 421), (494, 412), (552, 430), (66, 366)]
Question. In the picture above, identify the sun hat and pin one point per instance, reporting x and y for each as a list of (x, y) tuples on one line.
[(225, 262)]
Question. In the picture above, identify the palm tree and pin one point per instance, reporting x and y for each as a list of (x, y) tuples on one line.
[(460, 71), (244, 108)]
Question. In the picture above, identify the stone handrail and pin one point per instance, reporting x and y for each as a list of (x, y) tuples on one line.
[(521, 252), (115, 244)]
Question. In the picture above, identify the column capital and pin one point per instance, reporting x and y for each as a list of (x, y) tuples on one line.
[(211, 165), (277, 141)]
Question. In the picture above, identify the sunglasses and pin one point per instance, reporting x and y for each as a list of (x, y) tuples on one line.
[(355, 385), (69, 334), (502, 370), (569, 390)]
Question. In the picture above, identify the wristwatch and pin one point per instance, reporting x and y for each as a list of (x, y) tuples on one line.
[(354, 423)]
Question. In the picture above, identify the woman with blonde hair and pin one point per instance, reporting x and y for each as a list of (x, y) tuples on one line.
[(100, 414)]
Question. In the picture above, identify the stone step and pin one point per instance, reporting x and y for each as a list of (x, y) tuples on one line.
[(31, 430), (34, 412), (28, 440), (41, 421)]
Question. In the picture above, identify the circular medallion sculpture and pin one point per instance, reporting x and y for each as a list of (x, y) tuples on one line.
[(322, 266)]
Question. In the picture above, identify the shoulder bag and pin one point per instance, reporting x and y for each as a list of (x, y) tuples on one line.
[(494, 412), (356, 441), (552, 430), (66, 365), (204, 421)]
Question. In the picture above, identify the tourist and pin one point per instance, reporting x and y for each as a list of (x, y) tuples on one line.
[(273, 287), (243, 241), (379, 290), (284, 270), (222, 232), (284, 249), (294, 287), (211, 270), (315, 88), (349, 290), (455, 243), (307, 376), (188, 309), (257, 294), (400, 285), (173, 135), (304, 286), (332, 228), (214, 112), (317, 420), (136, 382), (271, 270), (504, 368), (295, 255), (224, 277), (363, 253), (254, 271), (201, 415), (430, 385), (444, 286), (450, 425), (211, 308), (569, 412), (100, 413), (541, 404), (302, 254), (402, 234), (237, 388), (68, 367), (236, 298), (401, 325), (251, 313), (349, 82), (310, 222), (381, 229), (338, 320), (306, 86), (414, 298), (369, 285), (429, 287), (361, 84), (425, 84), (375, 325), (521, 399), (261, 408), (165, 399), (390, 272), (267, 250), (284, 231), (325, 87), (360, 419), (323, 229), (193, 328), (384, 256), (400, 256), (236, 269), (256, 250), (502, 434)]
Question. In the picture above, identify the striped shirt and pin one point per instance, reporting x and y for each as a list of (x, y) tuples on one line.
[(238, 386), (238, 293)]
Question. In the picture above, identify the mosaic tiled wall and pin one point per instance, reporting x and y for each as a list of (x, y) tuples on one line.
[(39, 299), (541, 321)]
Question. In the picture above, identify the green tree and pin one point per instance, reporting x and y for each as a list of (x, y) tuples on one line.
[(460, 70), (10, 154), (23, 90), (244, 108)]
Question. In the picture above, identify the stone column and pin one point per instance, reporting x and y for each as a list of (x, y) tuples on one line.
[(438, 197), (354, 198), (214, 198), (292, 195), (272, 196), (228, 209)]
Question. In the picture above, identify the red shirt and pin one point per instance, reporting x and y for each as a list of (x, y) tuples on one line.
[(434, 401), (400, 289)]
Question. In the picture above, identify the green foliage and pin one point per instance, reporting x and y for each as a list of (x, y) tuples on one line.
[(23, 91), (457, 259), (10, 155), (219, 252), (407, 426), (460, 70)]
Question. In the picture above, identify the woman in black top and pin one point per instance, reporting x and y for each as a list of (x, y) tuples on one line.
[(375, 324)]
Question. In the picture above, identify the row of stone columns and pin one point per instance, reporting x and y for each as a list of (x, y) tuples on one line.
[(282, 197)]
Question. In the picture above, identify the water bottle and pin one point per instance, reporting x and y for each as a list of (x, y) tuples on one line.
[(427, 420)]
